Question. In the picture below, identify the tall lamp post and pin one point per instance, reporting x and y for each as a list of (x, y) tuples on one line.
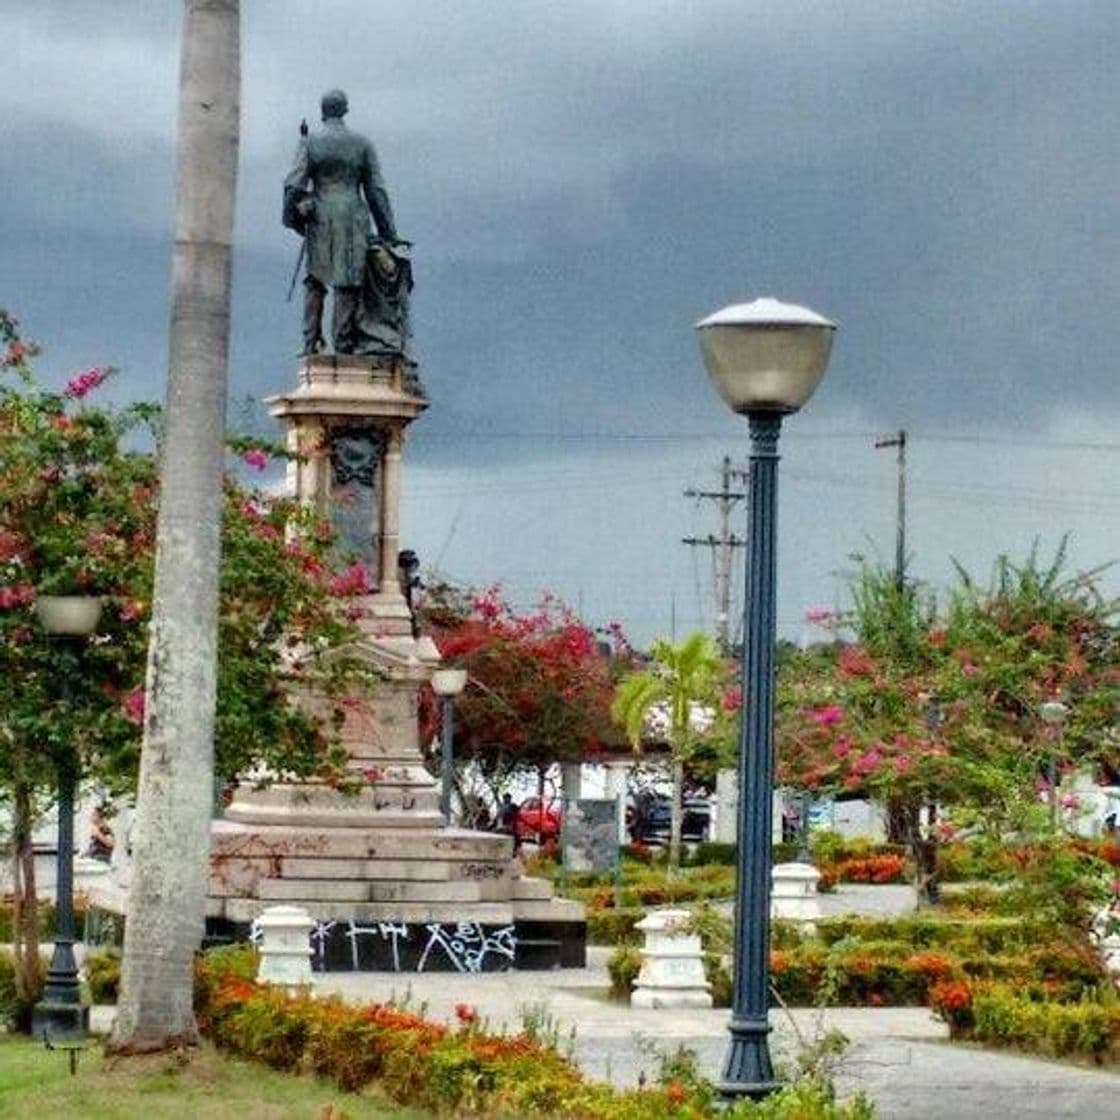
[(765, 358), (60, 1014), (447, 684)]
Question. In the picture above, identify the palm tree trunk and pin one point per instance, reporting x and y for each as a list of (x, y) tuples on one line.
[(25, 907), (173, 808), (676, 815)]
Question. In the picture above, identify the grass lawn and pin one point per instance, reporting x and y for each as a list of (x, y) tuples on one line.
[(201, 1084)]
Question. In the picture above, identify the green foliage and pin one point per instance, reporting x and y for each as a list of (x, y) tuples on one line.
[(614, 927), (15, 1013), (1088, 1028), (102, 968), (623, 966)]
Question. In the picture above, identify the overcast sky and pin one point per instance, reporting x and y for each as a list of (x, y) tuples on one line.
[(585, 180)]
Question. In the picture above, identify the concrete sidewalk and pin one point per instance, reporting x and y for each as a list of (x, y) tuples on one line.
[(900, 1055)]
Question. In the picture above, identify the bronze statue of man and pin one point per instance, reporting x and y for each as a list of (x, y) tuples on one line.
[(329, 197)]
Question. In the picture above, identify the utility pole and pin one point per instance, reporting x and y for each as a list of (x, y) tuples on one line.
[(723, 547), (899, 441)]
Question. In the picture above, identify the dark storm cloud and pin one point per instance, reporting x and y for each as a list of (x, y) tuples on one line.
[(585, 180)]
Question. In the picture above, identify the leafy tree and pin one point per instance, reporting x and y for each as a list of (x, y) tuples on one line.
[(539, 685), (925, 705), (681, 693), (79, 491)]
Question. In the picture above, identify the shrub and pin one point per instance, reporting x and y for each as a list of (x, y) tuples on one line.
[(614, 927), (463, 1070), (623, 966), (15, 1013), (1089, 1028), (709, 852), (103, 975), (718, 975)]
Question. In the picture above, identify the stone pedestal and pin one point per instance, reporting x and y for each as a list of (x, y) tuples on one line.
[(386, 883), (672, 972), (793, 894)]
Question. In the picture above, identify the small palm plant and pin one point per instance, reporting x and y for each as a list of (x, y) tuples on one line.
[(676, 698)]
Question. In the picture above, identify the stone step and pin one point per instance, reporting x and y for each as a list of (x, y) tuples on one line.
[(396, 870), (485, 913), (552, 910), (528, 888), (354, 890), (232, 840)]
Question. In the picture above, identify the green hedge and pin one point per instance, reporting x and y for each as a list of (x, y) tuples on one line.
[(1089, 1028)]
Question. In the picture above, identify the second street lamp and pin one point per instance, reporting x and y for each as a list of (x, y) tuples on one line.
[(765, 358), (60, 1015), (447, 684)]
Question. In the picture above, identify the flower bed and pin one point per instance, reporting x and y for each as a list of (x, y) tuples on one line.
[(459, 1070)]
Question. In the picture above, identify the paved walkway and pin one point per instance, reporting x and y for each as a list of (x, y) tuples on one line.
[(899, 1055)]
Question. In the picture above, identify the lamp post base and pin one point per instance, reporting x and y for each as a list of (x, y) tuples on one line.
[(748, 1071), (60, 1022)]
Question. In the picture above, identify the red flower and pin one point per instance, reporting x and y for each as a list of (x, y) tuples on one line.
[(466, 1014), (133, 706), (675, 1093)]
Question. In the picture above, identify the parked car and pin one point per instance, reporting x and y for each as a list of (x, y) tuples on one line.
[(533, 822), (648, 818)]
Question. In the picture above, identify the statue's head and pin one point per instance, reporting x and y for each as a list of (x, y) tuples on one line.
[(334, 105)]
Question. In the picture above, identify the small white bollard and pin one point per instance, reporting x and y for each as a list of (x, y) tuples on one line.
[(285, 946), (793, 893), (1106, 933), (672, 972)]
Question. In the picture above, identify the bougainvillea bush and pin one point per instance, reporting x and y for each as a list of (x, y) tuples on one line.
[(540, 684), (926, 706), (79, 486)]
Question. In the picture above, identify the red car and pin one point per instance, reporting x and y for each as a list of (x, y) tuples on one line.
[(533, 823)]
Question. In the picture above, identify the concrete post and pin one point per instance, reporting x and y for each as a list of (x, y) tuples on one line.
[(285, 946), (672, 972)]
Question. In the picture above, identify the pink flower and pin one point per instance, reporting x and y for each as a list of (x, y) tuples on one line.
[(1070, 801), (353, 581), (86, 381), (818, 615), (18, 595), (842, 747), (373, 774), (827, 717), (867, 763), (131, 610), (252, 510), (903, 763), (256, 458), (733, 699), (1041, 784), (133, 706)]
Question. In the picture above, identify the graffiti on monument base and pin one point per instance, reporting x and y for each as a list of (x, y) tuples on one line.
[(348, 946)]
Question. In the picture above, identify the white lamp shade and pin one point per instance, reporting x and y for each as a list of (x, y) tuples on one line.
[(449, 682), (766, 356)]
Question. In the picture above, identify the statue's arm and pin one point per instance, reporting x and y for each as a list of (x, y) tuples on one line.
[(377, 196), (297, 202)]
